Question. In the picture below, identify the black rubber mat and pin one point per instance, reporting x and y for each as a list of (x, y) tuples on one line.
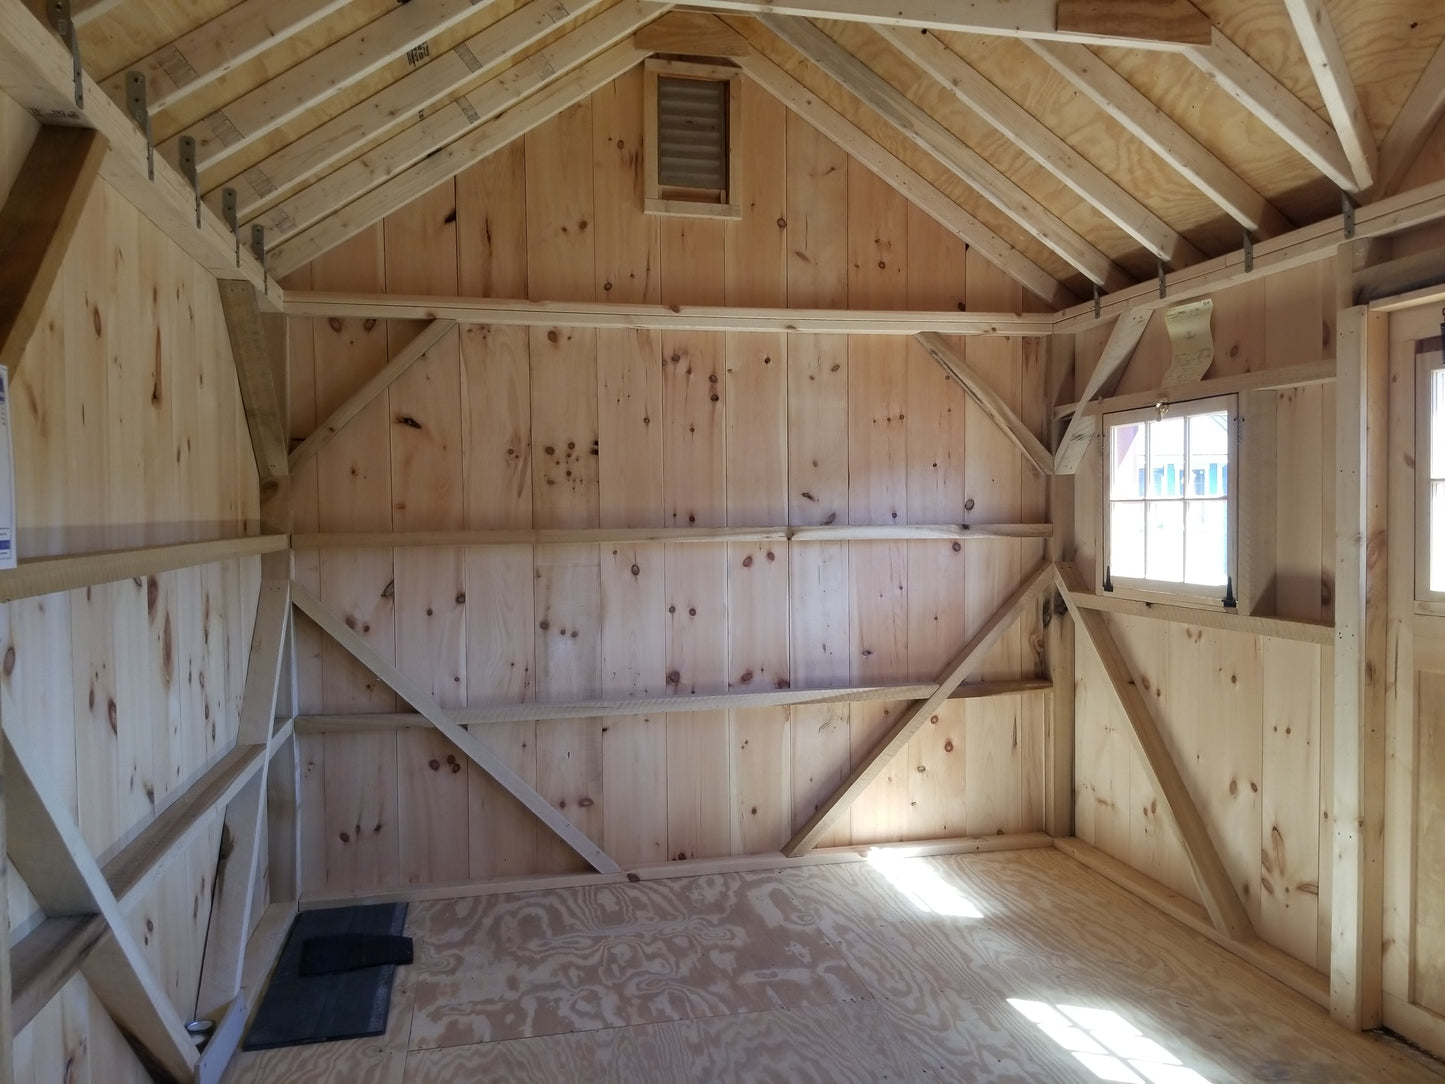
[(349, 1004), (338, 952)]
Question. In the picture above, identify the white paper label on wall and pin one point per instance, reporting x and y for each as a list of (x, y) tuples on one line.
[(7, 477), (1191, 344)]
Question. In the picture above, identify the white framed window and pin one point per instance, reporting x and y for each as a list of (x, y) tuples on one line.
[(1171, 506), (1430, 473)]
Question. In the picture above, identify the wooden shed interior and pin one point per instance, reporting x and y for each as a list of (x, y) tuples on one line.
[(423, 492)]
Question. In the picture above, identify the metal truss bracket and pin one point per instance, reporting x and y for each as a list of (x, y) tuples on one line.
[(229, 212), (135, 105), (188, 169), (65, 26)]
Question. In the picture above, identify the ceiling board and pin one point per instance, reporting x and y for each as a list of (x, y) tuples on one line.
[(129, 31)]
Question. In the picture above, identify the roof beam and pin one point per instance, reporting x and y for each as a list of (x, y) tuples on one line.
[(35, 70), (1039, 142), (1215, 884), (1117, 97), (1128, 330), (36, 225), (1239, 76), (1306, 245), (438, 164), (1316, 34), (642, 316), (913, 719), (468, 114), (222, 135), (951, 152), (1417, 119), (217, 47), (901, 177), (47, 848), (989, 401), (396, 106), (1131, 24), (476, 750)]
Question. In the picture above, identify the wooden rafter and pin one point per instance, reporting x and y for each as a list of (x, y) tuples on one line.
[(35, 70), (641, 316), (398, 105), (36, 224), (1170, 25), (1128, 330), (1117, 97), (46, 846), (990, 402), (1215, 884), (235, 880), (222, 135), (567, 536), (533, 711), (476, 750), (217, 47), (909, 723), (358, 401), (436, 166), (951, 152), (250, 350), (1241, 77), (1316, 33), (467, 114), (1414, 123), (1039, 142), (888, 168)]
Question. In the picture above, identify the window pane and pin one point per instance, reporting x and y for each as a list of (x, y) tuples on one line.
[(1208, 454), (1206, 542), (1165, 556), (1437, 424), (1166, 458), (1437, 536), (1127, 461), (1126, 539)]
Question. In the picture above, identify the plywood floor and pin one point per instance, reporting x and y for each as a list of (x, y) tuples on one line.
[(968, 968)]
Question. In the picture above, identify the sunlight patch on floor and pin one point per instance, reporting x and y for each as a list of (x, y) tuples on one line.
[(922, 885), (1107, 1044)]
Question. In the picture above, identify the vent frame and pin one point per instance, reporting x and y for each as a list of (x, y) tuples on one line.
[(659, 199)]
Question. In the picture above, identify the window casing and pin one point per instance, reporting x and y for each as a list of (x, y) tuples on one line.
[(692, 116), (1171, 505)]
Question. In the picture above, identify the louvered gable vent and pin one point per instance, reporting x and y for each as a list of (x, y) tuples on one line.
[(692, 133), (691, 124)]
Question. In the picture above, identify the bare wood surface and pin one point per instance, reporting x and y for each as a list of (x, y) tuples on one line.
[(1288, 376), (45, 959), (46, 575), (916, 716), (1125, 336), (639, 316), (251, 353), (474, 748), (36, 225), (406, 357), (992, 404), (1215, 884)]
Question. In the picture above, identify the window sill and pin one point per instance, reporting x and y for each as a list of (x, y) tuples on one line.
[(689, 209)]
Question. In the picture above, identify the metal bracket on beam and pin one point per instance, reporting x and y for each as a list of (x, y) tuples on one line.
[(1162, 291), (135, 104), (1248, 252), (229, 208), (1098, 308), (258, 249), (65, 27), (188, 169), (1347, 210)]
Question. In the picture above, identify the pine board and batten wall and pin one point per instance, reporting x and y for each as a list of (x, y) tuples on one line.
[(503, 427), (128, 431)]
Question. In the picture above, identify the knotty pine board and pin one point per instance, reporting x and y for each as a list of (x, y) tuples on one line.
[(689, 428)]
